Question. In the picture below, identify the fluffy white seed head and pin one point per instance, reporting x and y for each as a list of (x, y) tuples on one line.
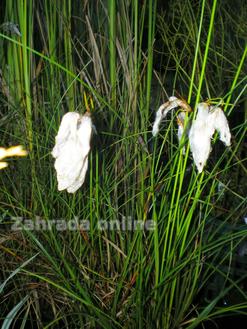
[(220, 123), (67, 131), (200, 135), (158, 119), (165, 108), (71, 150), (208, 120)]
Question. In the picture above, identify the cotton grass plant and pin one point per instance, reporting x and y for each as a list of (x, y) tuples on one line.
[(114, 278)]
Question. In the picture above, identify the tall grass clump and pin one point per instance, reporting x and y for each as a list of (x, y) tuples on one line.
[(121, 60)]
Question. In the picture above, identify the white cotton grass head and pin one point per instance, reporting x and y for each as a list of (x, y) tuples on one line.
[(208, 120), (157, 121), (67, 130), (172, 103), (161, 114), (71, 150), (220, 123), (200, 135)]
